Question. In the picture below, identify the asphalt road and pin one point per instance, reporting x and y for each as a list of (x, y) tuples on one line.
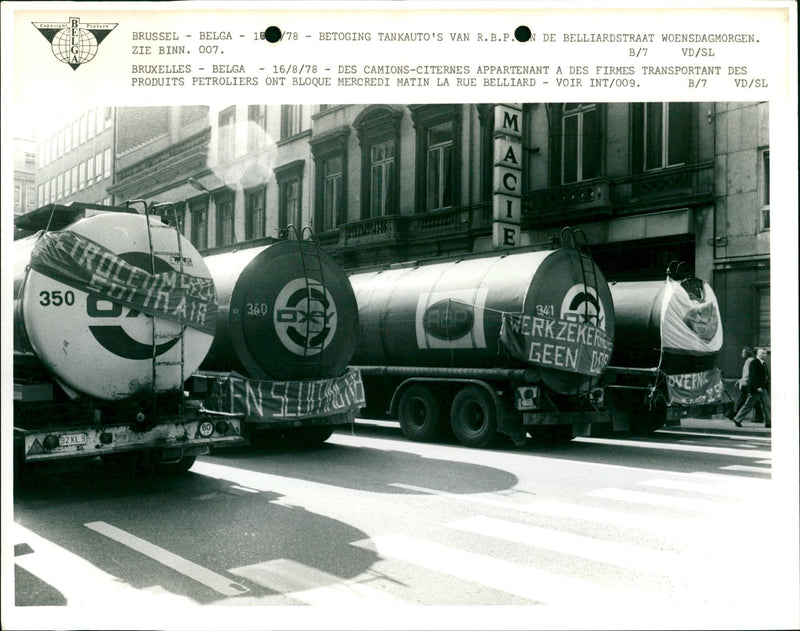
[(679, 529)]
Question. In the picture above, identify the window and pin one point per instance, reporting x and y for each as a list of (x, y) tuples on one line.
[(100, 120), (107, 163), (225, 219), (290, 181), (53, 197), (89, 171), (381, 188), (108, 115), (291, 123), (330, 155), (255, 213), (666, 134), (438, 128), (60, 186), (580, 142), (257, 127), (83, 129), (40, 195), (30, 196), (98, 167), (30, 159), (82, 176), (75, 179), (199, 213), (439, 164), (90, 125), (378, 129), (764, 189), (227, 137), (60, 137), (67, 181), (17, 197), (43, 149), (75, 133)]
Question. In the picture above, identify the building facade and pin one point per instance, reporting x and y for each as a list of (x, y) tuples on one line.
[(75, 162), (24, 175), (647, 184)]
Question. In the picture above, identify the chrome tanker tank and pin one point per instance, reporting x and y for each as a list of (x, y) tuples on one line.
[(672, 324), (460, 314), (286, 311), (111, 305)]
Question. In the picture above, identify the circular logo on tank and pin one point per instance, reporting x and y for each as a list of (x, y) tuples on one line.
[(305, 316), (111, 324), (581, 304)]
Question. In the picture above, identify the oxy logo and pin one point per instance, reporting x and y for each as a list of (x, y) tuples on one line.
[(448, 319), (581, 304), (114, 337), (305, 316), (74, 43)]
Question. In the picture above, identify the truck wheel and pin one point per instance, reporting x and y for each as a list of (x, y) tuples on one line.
[(314, 436), (181, 466), (420, 414), (474, 417)]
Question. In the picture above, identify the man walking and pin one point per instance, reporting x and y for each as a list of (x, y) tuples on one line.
[(757, 390)]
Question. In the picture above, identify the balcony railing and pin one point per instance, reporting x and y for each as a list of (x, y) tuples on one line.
[(580, 200)]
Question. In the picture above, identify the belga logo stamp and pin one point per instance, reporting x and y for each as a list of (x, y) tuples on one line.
[(74, 43)]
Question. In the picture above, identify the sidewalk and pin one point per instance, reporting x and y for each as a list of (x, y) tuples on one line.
[(719, 423)]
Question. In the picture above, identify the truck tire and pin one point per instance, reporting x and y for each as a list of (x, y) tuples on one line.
[(420, 414), (473, 417)]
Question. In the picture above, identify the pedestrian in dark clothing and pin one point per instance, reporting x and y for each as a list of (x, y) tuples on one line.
[(757, 389), (747, 357)]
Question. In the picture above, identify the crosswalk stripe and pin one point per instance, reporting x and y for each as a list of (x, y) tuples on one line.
[(695, 487), (641, 444), (217, 582), (741, 467), (668, 501), (83, 584), (311, 585), (618, 554), (527, 582)]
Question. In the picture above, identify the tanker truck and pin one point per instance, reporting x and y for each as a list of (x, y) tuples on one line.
[(669, 333), (483, 345), (285, 333), (112, 310)]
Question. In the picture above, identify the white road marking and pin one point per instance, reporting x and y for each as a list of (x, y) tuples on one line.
[(527, 582), (313, 586), (641, 444), (618, 554), (217, 582), (82, 583), (741, 467), (709, 489), (651, 499)]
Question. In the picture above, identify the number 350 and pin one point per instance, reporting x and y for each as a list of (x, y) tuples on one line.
[(56, 298)]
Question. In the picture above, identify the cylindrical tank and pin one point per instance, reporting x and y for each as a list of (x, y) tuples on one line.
[(450, 314), (286, 311), (89, 342), (683, 335)]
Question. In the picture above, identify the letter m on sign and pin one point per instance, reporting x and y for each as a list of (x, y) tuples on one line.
[(508, 119)]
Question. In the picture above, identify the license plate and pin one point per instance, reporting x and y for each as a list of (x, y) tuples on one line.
[(68, 440)]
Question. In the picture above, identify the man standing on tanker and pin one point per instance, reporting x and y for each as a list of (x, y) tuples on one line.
[(757, 389)]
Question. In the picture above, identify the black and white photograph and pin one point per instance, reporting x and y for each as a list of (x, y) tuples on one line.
[(413, 358)]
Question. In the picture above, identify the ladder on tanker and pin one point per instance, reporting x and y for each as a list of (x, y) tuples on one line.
[(577, 240), (161, 336), (312, 264)]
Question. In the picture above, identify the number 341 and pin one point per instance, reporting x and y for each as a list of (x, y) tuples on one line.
[(56, 298)]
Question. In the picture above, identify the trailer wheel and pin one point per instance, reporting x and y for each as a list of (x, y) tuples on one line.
[(420, 414), (181, 466), (474, 417)]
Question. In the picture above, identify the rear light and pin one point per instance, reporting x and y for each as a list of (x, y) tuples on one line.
[(223, 427), (50, 442)]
